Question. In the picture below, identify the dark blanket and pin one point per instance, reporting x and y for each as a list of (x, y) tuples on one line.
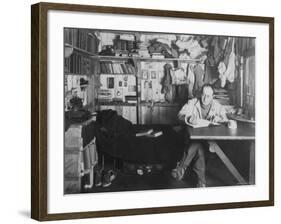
[(166, 148), (116, 137), (111, 130)]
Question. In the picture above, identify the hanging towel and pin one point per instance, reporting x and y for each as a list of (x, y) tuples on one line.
[(190, 80)]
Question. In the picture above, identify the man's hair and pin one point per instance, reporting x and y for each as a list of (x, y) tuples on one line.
[(207, 85)]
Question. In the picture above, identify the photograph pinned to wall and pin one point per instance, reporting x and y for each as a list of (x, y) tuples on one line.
[(144, 74), (153, 74), (148, 108)]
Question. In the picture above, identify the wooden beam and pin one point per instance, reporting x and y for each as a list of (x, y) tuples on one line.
[(228, 164)]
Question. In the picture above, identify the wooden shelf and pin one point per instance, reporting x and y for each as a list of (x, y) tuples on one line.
[(112, 58), (80, 74), (159, 104), (167, 59), (117, 74), (116, 104), (77, 49)]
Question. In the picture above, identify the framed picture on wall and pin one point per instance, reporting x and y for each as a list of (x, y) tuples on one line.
[(141, 111)]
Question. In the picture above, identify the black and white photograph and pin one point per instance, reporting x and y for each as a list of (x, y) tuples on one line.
[(157, 111)]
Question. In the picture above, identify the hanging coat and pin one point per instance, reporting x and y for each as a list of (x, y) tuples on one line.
[(167, 88)]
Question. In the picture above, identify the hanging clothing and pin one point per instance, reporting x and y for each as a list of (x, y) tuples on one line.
[(190, 80), (227, 66), (182, 93), (167, 87), (228, 50), (215, 55), (211, 74), (179, 76), (198, 79)]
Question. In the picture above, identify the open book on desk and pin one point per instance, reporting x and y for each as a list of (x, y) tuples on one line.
[(202, 123)]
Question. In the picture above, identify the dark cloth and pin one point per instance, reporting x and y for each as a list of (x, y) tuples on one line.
[(114, 133), (164, 49), (211, 74), (216, 53), (167, 88), (181, 93), (167, 148), (75, 117), (116, 138), (198, 82), (114, 125), (76, 103)]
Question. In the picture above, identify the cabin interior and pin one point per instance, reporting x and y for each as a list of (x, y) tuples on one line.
[(122, 94)]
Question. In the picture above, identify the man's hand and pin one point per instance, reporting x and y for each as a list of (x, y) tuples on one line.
[(193, 119), (216, 119)]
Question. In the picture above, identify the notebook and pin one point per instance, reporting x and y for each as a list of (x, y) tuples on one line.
[(202, 123)]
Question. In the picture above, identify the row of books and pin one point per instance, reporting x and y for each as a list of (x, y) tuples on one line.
[(77, 64), (81, 38), (109, 67)]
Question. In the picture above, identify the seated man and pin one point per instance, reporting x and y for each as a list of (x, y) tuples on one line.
[(203, 108)]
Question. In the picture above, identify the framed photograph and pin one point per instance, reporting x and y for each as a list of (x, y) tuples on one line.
[(198, 136)]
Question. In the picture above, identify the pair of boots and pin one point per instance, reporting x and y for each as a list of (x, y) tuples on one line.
[(193, 156), (179, 172), (104, 178)]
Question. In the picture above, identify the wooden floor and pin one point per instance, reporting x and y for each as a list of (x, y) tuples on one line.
[(216, 175)]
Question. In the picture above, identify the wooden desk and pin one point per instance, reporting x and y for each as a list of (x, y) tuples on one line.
[(244, 131)]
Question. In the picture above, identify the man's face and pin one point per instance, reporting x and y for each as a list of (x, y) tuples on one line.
[(207, 96)]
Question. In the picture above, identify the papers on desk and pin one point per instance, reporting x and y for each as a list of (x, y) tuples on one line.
[(202, 123)]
